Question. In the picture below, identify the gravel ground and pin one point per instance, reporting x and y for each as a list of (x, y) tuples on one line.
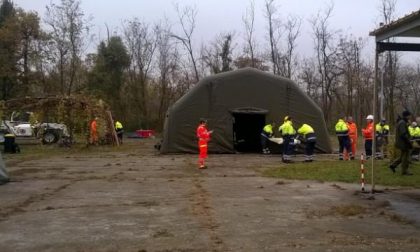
[(135, 199)]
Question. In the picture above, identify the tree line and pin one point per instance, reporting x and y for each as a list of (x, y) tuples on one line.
[(143, 69)]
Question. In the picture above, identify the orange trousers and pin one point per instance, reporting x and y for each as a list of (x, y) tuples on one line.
[(202, 146), (93, 137)]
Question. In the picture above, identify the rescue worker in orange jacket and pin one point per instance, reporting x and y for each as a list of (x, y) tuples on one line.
[(351, 125), (203, 136), (368, 133), (94, 131)]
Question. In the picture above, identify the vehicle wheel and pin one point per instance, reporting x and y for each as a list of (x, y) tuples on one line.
[(49, 138)]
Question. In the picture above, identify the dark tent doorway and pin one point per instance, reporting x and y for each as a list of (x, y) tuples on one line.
[(247, 126)]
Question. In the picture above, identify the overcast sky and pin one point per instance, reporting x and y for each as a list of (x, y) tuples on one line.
[(356, 17)]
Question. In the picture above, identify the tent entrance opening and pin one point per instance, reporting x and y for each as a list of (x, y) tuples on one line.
[(247, 131)]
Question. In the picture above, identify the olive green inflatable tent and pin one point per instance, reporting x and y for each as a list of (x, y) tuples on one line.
[(237, 105)]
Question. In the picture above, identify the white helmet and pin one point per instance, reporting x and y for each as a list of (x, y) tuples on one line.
[(369, 117)]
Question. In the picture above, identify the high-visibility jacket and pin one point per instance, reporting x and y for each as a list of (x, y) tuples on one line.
[(286, 129), (268, 130), (416, 133), (341, 128), (352, 129), (118, 125), (382, 130), (203, 134), (307, 131), (93, 126), (368, 131), (411, 130)]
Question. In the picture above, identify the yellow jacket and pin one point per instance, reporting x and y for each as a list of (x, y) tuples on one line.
[(287, 129), (118, 125), (305, 129), (341, 128)]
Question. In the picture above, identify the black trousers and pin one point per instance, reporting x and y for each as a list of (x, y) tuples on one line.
[(288, 146), (344, 144), (309, 149), (120, 135), (264, 139), (368, 147)]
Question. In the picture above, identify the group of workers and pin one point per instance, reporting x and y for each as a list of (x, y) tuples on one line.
[(346, 131), (94, 136), (347, 134), (406, 136), (291, 137)]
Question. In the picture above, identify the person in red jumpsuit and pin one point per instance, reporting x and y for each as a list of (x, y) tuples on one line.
[(94, 131), (203, 138)]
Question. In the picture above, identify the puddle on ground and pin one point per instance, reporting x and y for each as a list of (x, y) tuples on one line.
[(405, 204)]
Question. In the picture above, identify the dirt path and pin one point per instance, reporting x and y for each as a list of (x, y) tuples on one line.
[(138, 200), (203, 210)]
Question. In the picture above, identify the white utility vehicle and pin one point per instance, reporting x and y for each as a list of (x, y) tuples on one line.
[(19, 126)]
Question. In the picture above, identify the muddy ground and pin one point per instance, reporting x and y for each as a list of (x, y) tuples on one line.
[(134, 199)]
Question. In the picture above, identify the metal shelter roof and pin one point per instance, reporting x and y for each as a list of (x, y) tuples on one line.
[(407, 26)]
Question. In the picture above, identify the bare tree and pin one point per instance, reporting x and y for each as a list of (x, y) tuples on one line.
[(289, 61), (326, 55), (408, 88), (390, 62), (68, 35), (387, 10), (167, 65), (249, 23), (274, 32), (349, 64), (309, 79), (218, 56), (141, 45), (187, 18)]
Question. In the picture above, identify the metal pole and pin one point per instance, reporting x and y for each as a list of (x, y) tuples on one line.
[(382, 95), (375, 84), (362, 172)]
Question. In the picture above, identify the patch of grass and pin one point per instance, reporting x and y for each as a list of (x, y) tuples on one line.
[(346, 171), (342, 210), (39, 151), (348, 210)]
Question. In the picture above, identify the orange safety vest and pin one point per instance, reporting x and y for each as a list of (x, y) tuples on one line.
[(368, 131), (203, 135), (93, 126), (352, 129)]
